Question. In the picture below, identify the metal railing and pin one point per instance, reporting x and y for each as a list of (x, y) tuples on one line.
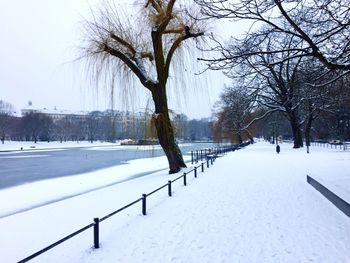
[(200, 155), (343, 146)]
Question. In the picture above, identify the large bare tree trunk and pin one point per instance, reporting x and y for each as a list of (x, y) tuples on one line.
[(239, 136), (296, 131), (308, 130), (165, 130)]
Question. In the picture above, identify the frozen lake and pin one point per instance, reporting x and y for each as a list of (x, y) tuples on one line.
[(21, 167)]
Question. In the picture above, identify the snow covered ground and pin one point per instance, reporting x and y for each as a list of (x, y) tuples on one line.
[(250, 206)]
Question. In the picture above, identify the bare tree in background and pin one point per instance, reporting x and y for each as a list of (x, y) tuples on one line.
[(117, 47), (235, 112), (322, 27), (6, 111), (276, 85)]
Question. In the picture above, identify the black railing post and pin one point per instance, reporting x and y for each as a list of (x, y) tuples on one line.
[(192, 157), (207, 162), (169, 188), (211, 160), (144, 204), (202, 167), (195, 172), (185, 182), (96, 232)]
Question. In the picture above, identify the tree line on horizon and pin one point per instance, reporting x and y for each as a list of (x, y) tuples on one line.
[(95, 126)]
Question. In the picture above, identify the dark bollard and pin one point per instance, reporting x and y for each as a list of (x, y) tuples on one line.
[(96, 233), (169, 188), (195, 172), (207, 162), (202, 167), (144, 204), (185, 182), (278, 149), (211, 160)]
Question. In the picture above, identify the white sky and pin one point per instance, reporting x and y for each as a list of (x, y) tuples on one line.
[(39, 41)]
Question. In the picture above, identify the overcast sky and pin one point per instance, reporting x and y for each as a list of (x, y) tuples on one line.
[(39, 40)]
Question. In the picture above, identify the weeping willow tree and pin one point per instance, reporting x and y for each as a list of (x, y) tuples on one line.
[(143, 46)]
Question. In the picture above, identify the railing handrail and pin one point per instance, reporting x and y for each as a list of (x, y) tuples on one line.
[(56, 243), (344, 145), (120, 209)]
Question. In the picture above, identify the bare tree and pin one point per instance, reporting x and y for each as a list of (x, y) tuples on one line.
[(93, 123), (314, 101), (289, 86), (36, 126), (180, 122), (276, 85), (143, 50), (284, 36), (6, 111), (328, 106), (321, 26), (235, 112)]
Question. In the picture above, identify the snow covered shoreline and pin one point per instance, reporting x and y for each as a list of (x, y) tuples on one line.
[(16, 146), (251, 206), (28, 146)]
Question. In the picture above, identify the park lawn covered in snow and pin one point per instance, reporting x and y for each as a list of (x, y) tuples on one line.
[(252, 205)]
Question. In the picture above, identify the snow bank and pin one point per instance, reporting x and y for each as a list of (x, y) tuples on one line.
[(53, 190)]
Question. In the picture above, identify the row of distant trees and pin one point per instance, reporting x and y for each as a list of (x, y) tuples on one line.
[(97, 125)]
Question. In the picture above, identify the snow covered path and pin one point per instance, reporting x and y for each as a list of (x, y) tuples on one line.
[(251, 206), (246, 209)]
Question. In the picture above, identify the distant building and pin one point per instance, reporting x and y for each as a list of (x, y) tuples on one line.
[(55, 114)]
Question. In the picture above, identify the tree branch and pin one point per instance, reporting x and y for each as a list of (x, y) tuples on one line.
[(315, 50), (124, 43), (176, 44), (155, 5), (174, 31), (131, 65)]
